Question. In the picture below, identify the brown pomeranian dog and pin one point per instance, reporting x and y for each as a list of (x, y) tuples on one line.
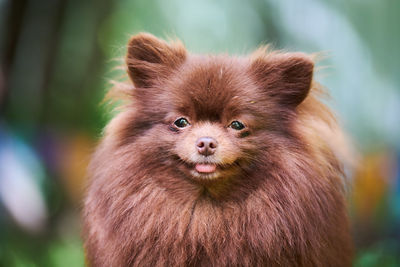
[(217, 161)]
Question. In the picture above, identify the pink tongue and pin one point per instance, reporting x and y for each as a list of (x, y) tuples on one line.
[(205, 168)]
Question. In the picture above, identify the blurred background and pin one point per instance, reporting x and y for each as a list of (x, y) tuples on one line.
[(58, 56)]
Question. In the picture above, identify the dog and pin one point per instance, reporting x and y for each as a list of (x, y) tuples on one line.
[(216, 160)]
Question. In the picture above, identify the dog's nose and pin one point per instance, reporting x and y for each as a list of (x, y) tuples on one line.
[(206, 145)]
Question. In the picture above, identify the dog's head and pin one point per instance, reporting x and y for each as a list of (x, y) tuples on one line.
[(211, 116)]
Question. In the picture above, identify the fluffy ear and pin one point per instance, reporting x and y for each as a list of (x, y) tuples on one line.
[(149, 59), (285, 77)]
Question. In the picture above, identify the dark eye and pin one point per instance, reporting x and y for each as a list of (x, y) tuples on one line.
[(181, 123), (237, 125)]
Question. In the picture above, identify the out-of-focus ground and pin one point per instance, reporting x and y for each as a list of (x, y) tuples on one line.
[(57, 56)]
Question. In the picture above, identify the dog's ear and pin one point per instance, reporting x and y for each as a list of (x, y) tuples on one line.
[(149, 59), (285, 77)]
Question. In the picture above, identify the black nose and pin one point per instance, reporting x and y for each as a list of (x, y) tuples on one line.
[(206, 145)]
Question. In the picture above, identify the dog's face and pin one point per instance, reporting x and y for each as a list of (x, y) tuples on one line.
[(210, 117)]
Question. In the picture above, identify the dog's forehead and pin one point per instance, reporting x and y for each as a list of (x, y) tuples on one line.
[(209, 86)]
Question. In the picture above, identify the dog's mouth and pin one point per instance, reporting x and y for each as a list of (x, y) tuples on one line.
[(208, 170), (205, 168)]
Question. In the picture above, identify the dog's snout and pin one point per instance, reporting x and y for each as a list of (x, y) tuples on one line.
[(206, 145)]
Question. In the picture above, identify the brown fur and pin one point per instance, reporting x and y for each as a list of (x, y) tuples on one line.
[(278, 198)]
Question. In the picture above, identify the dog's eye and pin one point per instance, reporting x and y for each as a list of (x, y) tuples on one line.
[(237, 125), (181, 123)]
